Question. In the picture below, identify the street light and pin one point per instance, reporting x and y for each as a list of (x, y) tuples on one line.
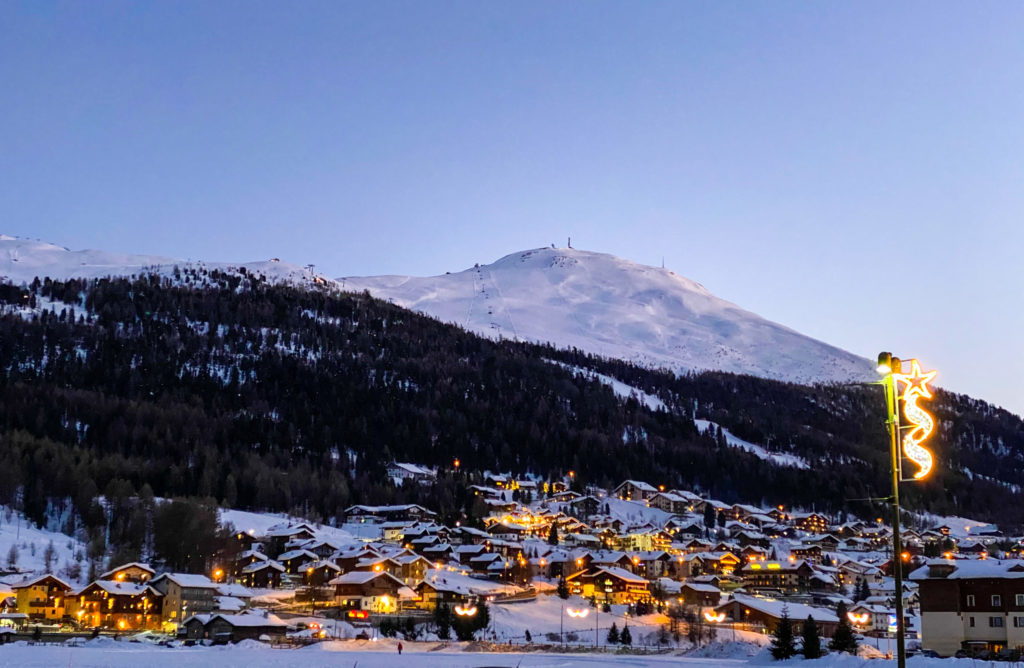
[(923, 424), (467, 611)]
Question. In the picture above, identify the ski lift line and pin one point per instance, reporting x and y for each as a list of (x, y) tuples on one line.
[(497, 289)]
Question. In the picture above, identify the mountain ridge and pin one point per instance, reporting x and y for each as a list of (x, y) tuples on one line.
[(616, 308)]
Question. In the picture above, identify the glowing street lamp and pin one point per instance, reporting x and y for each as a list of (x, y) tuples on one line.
[(858, 618), (916, 383), (581, 613), (713, 617), (467, 611)]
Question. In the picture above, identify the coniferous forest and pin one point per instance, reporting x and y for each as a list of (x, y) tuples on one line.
[(225, 387)]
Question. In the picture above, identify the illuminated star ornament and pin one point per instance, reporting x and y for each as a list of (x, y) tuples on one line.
[(916, 388)]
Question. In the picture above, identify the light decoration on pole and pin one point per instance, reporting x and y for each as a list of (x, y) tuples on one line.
[(467, 611), (715, 618), (917, 388), (581, 613)]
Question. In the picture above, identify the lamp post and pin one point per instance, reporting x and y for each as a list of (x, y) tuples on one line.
[(923, 424)]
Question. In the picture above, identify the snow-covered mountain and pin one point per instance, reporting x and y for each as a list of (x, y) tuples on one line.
[(572, 298), (21, 260), (616, 308)]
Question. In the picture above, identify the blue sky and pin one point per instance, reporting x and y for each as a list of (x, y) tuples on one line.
[(852, 170)]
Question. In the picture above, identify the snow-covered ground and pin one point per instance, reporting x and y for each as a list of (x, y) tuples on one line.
[(615, 308), (621, 389), (763, 453), (31, 545), (259, 523), (383, 654)]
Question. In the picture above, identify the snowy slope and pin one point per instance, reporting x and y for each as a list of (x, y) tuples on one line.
[(30, 545), (616, 308), (22, 260)]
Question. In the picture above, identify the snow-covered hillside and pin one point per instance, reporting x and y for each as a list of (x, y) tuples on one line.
[(616, 308), (22, 260)]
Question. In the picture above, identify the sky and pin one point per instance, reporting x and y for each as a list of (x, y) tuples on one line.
[(854, 171)]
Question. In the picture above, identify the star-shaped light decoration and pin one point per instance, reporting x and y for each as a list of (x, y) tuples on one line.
[(916, 381)]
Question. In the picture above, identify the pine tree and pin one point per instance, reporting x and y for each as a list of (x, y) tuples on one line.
[(563, 588), (812, 641), (709, 516), (553, 534), (626, 638), (783, 646), (443, 620), (843, 640), (613, 635), (865, 590)]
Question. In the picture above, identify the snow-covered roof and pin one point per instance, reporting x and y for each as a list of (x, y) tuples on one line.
[(190, 580), (123, 567), (774, 608), (362, 577), (969, 568), (119, 588)]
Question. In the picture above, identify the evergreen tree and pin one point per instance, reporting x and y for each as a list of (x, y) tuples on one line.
[(527, 636), (443, 621), (613, 635), (626, 638), (553, 534), (563, 588), (812, 641), (783, 645), (709, 516), (843, 640)]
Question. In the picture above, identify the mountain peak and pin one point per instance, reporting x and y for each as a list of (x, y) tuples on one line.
[(614, 307)]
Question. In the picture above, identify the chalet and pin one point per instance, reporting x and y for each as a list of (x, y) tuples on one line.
[(583, 507), (669, 502), (768, 613), (262, 575), (234, 628), (117, 605), (699, 594), (279, 536), (971, 605), (318, 574), (43, 598), (368, 590), (409, 512), (810, 522), (609, 585), (871, 619), (400, 472), (704, 563), (812, 553), (185, 594), (431, 594), (782, 577), (133, 572), (634, 490), (296, 561)]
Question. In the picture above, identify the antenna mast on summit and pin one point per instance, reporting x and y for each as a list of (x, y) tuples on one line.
[(569, 242)]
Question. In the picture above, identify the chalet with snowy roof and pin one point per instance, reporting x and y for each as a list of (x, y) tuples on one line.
[(705, 563), (118, 606), (634, 490), (401, 472), (971, 604), (810, 522), (262, 575), (609, 585), (700, 594), (669, 502), (320, 573), (766, 613), (369, 590), (296, 561), (246, 559), (871, 619), (409, 512), (278, 537), (234, 628), (42, 598), (777, 576), (184, 594), (133, 572)]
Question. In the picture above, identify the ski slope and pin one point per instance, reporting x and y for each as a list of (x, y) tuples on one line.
[(616, 308)]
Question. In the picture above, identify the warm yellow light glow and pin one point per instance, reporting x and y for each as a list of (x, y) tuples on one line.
[(581, 613), (467, 611), (861, 618), (917, 388), (755, 567), (774, 567), (716, 618)]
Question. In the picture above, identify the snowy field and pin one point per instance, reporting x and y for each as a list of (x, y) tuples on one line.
[(359, 654)]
